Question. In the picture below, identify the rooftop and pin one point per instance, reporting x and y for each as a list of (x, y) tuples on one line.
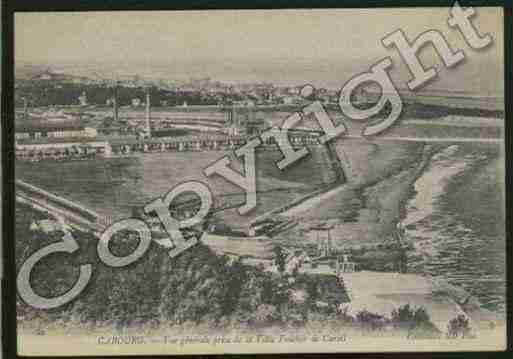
[(34, 124)]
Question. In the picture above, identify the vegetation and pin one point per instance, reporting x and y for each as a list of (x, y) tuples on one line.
[(415, 322), (43, 93), (279, 258), (459, 327), (431, 111), (198, 287)]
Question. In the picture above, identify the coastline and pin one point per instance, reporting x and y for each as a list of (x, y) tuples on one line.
[(390, 198)]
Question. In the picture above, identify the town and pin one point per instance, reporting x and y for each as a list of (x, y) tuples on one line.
[(201, 115), (223, 190)]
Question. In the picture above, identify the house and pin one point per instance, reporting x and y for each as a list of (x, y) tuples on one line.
[(43, 128), (82, 99), (52, 76)]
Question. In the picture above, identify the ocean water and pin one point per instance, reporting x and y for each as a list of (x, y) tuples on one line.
[(456, 219)]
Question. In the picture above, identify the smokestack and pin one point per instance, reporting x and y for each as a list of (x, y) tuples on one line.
[(115, 103), (229, 115), (319, 243), (25, 108), (234, 116), (148, 104), (328, 243)]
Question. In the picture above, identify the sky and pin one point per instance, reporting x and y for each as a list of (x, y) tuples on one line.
[(323, 47)]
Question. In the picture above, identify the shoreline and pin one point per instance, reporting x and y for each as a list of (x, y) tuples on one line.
[(468, 302), (404, 192)]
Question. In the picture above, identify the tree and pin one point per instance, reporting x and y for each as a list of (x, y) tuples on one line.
[(279, 258), (416, 321), (370, 321), (459, 326)]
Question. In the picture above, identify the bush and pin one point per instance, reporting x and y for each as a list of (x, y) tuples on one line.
[(459, 327), (279, 258), (197, 287), (371, 321), (416, 321)]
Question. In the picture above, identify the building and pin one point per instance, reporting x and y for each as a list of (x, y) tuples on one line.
[(136, 102), (82, 99), (43, 128), (50, 76), (256, 126), (57, 149)]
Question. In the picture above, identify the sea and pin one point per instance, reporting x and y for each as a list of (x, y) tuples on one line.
[(456, 220)]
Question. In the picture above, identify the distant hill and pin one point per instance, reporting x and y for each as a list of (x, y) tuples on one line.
[(28, 71)]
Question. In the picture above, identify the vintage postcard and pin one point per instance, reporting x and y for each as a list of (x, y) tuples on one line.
[(260, 181)]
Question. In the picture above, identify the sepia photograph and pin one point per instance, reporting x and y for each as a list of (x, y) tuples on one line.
[(260, 181)]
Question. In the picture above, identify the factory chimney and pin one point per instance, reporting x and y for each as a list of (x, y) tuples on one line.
[(328, 244), (324, 245), (148, 113), (234, 116), (25, 108), (319, 243), (115, 103)]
